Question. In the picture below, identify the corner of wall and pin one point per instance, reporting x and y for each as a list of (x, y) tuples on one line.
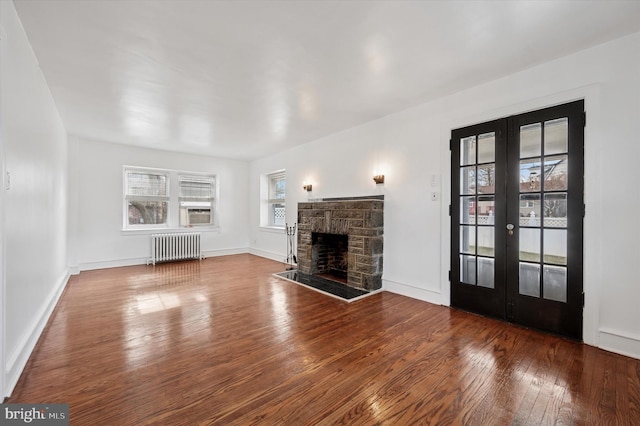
[(17, 361), (412, 291), (267, 254)]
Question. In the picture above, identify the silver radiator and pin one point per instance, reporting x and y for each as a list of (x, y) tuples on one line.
[(178, 246)]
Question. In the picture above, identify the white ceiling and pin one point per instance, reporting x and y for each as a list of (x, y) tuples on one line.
[(244, 79)]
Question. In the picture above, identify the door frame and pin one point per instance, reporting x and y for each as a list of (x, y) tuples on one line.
[(576, 214)]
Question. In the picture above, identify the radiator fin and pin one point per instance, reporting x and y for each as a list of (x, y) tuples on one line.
[(176, 246)]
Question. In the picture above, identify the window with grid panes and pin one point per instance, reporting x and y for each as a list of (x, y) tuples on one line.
[(196, 200), (146, 198), (157, 198), (276, 199)]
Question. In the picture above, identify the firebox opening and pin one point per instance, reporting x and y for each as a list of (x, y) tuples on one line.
[(330, 257)]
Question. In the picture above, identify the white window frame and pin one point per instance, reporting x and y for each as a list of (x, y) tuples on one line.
[(269, 199), (127, 197), (173, 199), (196, 202)]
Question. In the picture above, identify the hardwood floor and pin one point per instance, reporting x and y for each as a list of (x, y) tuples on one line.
[(222, 341)]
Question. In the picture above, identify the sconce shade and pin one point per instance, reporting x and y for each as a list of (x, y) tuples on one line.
[(307, 187), (378, 179)]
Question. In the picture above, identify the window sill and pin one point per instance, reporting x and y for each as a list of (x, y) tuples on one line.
[(169, 230), (274, 229)]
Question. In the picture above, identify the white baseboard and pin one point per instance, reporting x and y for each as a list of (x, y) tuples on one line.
[(412, 291), (90, 266), (225, 252), (619, 342), (17, 360), (278, 257)]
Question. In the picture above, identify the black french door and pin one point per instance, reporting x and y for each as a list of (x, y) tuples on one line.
[(516, 218)]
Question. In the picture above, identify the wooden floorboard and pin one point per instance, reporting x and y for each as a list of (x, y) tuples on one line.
[(223, 341)]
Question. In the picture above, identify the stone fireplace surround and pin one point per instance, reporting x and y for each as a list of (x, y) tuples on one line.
[(361, 219)]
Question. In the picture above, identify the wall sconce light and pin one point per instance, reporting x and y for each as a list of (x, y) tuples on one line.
[(378, 179), (307, 187)]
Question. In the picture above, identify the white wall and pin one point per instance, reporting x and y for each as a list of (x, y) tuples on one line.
[(34, 209), (3, 268), (411, 148), (96, 236)]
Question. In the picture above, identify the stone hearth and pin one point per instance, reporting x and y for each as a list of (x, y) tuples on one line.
[(361, 219)]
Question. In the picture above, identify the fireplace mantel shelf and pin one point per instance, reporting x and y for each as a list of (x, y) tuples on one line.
[(359, 198)]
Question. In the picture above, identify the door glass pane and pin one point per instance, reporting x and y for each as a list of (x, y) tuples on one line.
[(486, 241), (468, 151), (486, 209), (555, 210), (468, 239), (530, 209), (467, 180), (486, 179), (468, 269), (529, 279), (487, 148), (556, 136), (530, 175), (530, 140), (485, 272), (555, 173), (530, 245), (468, 210), (555, 246), (554, 283)]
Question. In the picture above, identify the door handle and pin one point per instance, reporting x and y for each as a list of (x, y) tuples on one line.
[(510, 228)]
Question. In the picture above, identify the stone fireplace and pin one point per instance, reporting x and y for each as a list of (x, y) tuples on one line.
[(342, 239)]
